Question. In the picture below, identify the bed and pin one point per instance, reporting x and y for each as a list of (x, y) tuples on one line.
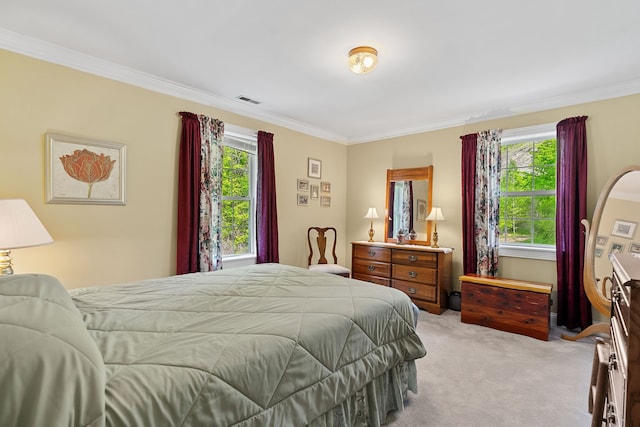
[(260, 345)]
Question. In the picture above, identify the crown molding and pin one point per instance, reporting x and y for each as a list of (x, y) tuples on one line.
[(631, 87), (56, 54)]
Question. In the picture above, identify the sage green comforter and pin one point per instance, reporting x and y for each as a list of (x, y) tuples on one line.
[(265, 345)]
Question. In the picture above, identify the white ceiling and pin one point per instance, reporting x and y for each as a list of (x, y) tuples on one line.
[(441, 63)]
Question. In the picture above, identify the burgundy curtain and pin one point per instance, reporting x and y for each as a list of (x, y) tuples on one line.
[(574, 309), (411, 204), (391, 213), (188, 195), (267, 212), (469, 254)]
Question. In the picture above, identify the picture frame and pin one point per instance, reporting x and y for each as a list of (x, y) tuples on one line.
[(314, 168), (421, 206), (315, 191), (325, 201), (598, 252), (325, 187), (67, 160), (616, 248), (634, 248), (303, 200), (303, 185), (622, 228), (601, 240)]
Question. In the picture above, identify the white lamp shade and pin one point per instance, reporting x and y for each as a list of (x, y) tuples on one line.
[(435, 215), (19, 226), (371, 213)]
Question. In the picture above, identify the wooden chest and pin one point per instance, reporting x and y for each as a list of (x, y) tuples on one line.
[(509, 305)]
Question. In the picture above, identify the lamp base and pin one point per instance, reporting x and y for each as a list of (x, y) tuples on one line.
[(5, 262), (371, 233), (435, 240)]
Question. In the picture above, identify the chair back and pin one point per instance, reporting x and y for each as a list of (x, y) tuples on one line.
[(317, 238)]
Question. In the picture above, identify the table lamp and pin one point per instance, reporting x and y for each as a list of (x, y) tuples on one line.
[(19, 228), (435, 215), (371, 214)]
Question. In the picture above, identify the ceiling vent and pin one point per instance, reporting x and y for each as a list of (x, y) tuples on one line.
[(245, 99)]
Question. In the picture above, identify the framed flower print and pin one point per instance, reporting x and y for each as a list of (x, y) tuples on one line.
[(84, 171)]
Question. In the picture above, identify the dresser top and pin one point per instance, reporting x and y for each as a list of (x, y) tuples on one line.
[(404, 246), (627, 266)]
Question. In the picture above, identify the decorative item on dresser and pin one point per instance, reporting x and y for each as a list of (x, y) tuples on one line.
[(371, 214), (623, 395), (422, 272), (435, 215)]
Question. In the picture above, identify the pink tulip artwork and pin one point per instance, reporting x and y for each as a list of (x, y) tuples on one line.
[(88, 167)]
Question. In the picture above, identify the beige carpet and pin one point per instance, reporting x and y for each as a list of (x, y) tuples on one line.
[(474, 376)]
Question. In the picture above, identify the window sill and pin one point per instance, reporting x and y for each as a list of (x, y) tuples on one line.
[(234, 261), (530, 252)]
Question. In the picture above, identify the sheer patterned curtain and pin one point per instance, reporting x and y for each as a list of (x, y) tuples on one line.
[(487, 201), (574, 309), (267, 211), (199, 194)]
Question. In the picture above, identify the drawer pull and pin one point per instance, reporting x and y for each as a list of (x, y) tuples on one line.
[(372, 252), (413, 274), (413, 258), (615, 295), (611, 414), (411, 291), (371, 267), (613, 363)]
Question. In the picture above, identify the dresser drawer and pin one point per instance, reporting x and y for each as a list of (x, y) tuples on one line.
[(370, 268), (372, 253), (384, 281), (414, 274), (409, 257), (416, 290)]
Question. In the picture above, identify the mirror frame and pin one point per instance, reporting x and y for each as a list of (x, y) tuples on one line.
[(409, 174), (599, 301)]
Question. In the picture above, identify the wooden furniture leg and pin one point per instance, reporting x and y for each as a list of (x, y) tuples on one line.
[(596, 328)]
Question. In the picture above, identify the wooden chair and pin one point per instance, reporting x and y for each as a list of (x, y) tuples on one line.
[(317, 237)]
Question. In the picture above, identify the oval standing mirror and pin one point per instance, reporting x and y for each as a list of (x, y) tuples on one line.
[(408, 202), (615, 219)]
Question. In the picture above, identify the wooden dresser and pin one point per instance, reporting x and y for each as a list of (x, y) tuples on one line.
[(623, 397), (422, 272)]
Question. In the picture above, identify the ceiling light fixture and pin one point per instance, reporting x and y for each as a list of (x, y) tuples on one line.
[(363, 59)]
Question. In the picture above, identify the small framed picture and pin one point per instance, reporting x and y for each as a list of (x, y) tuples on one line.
[(303, 200), (598, 252), (634, 248), (616, 248), (314, 168), (601, 240), (624, 229), (315, 190), (325, 187), (325, 201), (303, 185)]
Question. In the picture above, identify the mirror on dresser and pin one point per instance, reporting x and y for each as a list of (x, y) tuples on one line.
[(614, 229), (408, 202)]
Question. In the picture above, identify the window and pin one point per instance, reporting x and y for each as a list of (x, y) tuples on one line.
[(238, 192), (528, 192)]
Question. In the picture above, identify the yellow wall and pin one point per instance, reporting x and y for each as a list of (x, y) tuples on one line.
[(114, 244), (613, 142), (111, 244)]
